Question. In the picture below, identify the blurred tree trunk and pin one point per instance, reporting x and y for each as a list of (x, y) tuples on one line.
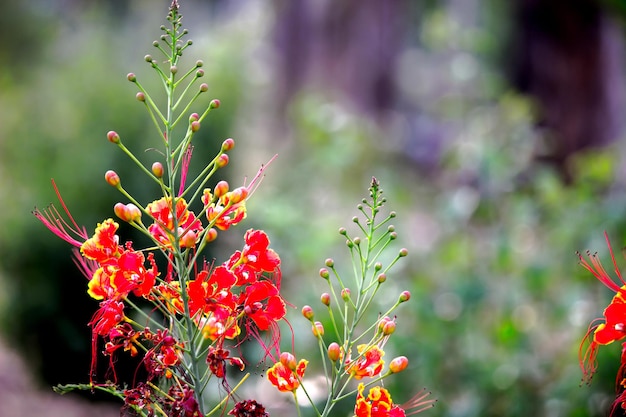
[(567, 54), (348, 45)]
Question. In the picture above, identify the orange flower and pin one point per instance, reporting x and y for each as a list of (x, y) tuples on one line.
[(368, 364), (378, 403), (163, 227), (284, 375)]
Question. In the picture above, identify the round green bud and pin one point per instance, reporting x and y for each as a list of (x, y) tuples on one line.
[(403, 252), (200, 73), (148, 58), (214, 104), (131, 77), (199, 63), (155, 44), (329, 262), (173, 69), (342, 231), (324, 273), (204, 87), (140, 96)]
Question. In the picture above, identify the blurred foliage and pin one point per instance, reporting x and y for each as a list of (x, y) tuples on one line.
[(499, 303)]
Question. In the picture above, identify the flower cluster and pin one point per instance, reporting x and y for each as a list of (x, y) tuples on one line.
[(350, 350), (611, 328), (187, 317)]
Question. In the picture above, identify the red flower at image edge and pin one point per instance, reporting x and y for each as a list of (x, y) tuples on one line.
[(614, 326)]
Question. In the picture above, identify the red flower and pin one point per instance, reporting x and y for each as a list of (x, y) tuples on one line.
[(614, 326), (255, 258), (263, 304), (209, 292), (111, 313), (163, 227), (286, 374), (369, 363), (378, 403), (104, 244)]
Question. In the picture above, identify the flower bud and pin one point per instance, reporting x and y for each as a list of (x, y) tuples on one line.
[(317, 329), (334, 351), (378, 266), (403, 252), (345, 294), (221, 188), (200, 73), (113, 137), (195, 126), (148, 58), (329, 263), (204, 87), (157, 169), (398, 364), (228, 144), (199, 63), (404, 296), (140, 96), (343, 231), (112, 178), (189, 239), (357, 241), (133, 212), (325, 299), (131, 77), (393, 236), (381, 278), (121, 211), (389, 327), (193, 117), (214, 104), (324, 273), (173, 69), (222, 160), (307, 312), (210, 235), (288, 360), (238, 195)]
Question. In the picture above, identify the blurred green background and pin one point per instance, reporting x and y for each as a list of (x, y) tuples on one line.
[(495, 128)]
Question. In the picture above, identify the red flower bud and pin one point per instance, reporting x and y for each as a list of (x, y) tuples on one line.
[(193, 117), (334, 351), (112, 178), (204, 87), (317, 329), (221, 188), (195, 126), (324, 273), (325, 299), (222, 160), (404, 296), (121, 211), (157, 169), (215, 104), (398, 364), (113, 137), (211, 235), (131, 77), (140, 96), (288, 360), (133, 212), (238, 195), (307, 312), (228, 144), (345, 294)]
